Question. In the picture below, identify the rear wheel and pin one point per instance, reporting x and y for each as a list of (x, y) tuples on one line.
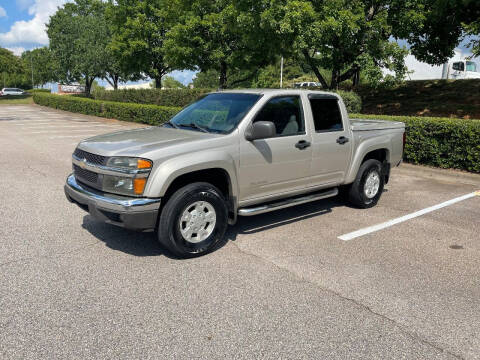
[(193, 221), (367, 188)]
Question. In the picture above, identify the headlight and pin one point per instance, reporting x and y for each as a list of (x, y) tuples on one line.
[(133, 181), (129, 163)]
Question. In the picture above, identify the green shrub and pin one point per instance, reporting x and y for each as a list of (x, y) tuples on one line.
[(167, 97), (146, 114), (353, 102), (439, 142)]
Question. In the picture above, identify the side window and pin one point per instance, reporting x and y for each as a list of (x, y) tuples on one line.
[(460, 66), (286, 113), (326, 114)]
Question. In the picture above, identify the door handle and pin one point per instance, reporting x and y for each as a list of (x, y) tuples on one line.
[(302, 144), (342, 140)]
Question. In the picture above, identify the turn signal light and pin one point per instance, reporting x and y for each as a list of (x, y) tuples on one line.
[(139, 185), (144, 164)]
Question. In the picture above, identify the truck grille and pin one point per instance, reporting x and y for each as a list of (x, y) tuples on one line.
[(85, 175), (91, 158)]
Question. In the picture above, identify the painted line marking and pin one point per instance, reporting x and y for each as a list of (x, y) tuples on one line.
[(52, 132), (80, 136), (374, 228)]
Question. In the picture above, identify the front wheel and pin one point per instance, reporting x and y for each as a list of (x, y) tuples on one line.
[(368, 185), (193, 221)]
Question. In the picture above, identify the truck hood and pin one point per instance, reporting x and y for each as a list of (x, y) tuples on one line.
[(140, 141)]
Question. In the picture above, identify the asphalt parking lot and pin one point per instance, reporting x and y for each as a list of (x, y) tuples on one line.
[(285, 285)]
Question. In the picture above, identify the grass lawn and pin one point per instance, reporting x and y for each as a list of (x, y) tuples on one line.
[(434, 98), (16, 100)]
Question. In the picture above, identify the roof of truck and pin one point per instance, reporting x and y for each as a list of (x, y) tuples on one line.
[(278, 91)]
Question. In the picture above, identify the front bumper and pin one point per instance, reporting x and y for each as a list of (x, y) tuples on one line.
[(131, 213)]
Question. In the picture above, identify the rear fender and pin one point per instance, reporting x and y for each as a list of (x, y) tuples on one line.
[(372, 143)]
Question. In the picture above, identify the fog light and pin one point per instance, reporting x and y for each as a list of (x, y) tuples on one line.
[(118, 184)]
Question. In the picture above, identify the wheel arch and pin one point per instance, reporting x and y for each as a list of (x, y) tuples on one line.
[(374, 148)]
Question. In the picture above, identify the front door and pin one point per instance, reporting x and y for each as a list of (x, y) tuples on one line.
[(280, 164)]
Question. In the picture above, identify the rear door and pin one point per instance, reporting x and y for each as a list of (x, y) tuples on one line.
[(280, 164), (331, 142)]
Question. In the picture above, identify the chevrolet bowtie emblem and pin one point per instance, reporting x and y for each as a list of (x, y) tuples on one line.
[(83, 164)]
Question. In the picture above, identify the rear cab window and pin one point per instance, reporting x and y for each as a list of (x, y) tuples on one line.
[(327, 116)]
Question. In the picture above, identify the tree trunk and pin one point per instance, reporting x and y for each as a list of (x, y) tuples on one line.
[(335, 78), (88, 85), (356, 78), (115, 82), (223, 76), (158, 82), (315, 70)]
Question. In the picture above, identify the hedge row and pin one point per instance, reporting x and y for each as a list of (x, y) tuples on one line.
[(167, 97), (439, 142), (182, 97), (146, 114)]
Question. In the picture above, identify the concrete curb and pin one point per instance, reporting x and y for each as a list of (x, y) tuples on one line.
[(450, 175)]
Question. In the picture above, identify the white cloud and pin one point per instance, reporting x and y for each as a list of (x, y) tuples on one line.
[(24, 4), (17, 50), (3, 13), (32, 31)]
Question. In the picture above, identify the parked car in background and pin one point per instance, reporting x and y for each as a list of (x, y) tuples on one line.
[(12, 92), (307, 84)]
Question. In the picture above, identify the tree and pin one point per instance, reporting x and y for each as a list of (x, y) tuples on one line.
[(216, 35), (206, 79), (269, 76), (8, 61), (169, 82), (13, 70), (42, 65), (443, 24), (140, 29), (343, 36), (79, 36)]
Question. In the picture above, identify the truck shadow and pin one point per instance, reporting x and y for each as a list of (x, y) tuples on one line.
[(146, 244)]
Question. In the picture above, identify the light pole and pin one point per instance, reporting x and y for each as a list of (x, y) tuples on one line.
[(31, 65), (281, 73)]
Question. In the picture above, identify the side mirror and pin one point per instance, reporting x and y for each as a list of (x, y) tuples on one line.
[(261, 130)]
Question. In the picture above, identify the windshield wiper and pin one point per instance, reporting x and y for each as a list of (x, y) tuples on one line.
[(194, 126), (171, 124)]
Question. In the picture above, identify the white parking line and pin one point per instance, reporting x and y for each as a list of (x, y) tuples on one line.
[(399, 220), (80, 136), (53, 131)]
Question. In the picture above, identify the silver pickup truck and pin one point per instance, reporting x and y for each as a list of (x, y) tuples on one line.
[(229, 154)]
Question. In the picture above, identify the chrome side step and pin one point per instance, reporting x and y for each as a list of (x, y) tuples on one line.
[(285, 203)]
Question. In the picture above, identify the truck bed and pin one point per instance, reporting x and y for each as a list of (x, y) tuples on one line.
[(365, 125)]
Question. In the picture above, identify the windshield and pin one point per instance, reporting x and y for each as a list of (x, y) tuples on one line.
[(219, 113), (471, 66)]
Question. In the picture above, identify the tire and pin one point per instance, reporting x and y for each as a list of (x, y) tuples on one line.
[(366, 195), (193, 221)]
